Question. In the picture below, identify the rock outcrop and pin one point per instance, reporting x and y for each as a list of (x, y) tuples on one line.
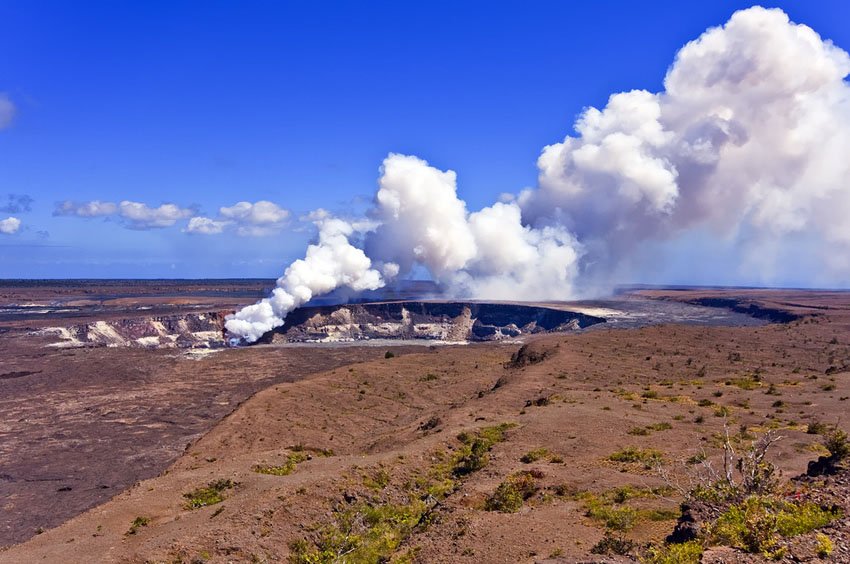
[(196, 330), (439, 321)]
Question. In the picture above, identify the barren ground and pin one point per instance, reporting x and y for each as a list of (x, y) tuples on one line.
[(377, 429)]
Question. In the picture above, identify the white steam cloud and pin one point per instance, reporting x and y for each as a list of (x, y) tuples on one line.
[(748, 141), (330, 263)]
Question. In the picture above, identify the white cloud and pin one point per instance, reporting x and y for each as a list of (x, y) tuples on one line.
[(10, 225), (7, 111), (247, 219), (95, 208), (206, 226), (142, 216), (136, 214)]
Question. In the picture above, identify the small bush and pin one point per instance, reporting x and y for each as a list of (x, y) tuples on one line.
[(747, 383), (510, 494), (389, 354), (697, 458), (837, 444), (684, 553), (823, 546), (614, 518), (137, 524), (722, 411), (648, 457), (534, 455), (377, 481), (209, 495), (817, 428), (613, 545), (292, 460)]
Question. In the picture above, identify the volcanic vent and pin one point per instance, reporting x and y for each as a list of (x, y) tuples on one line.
[(438, 321)]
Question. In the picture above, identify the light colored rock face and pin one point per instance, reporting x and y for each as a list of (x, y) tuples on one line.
[(434, 321), (438, 321), (180, 331)]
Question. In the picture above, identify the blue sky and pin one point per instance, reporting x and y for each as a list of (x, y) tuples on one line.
[(204, 104)]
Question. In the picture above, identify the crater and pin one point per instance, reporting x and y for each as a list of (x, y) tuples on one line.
[(430, 320)]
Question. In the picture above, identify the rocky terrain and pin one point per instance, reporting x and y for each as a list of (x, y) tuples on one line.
[(193, 330), (574, 447), (435, 320)]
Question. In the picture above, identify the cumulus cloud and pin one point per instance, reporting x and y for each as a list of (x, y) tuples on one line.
[(206, 226), (746, 144), (17, 203), (7, 111), (135, 215), (95, 208), (141, 216), (247, 219), (10, 225)]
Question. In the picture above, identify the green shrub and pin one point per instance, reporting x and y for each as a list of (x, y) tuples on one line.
[(378, 480), (683, 553), (510, 494), (823, 545), (757, 523), (648, 457), (534, 455), (609, 544), (817, 428), (293, 459), (837, 444), (389, 354), (615, 518), (137, 524), (210, 495)]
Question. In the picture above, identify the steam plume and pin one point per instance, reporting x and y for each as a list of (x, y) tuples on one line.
[(330, 263), (748, 140)]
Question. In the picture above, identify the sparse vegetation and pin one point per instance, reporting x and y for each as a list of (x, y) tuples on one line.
[(648, 457), (675, 553), (137, 524), (373, 530), (608, 507), (757, 523), (823, 545), (512, 493), (211, 494), (837, 444), (535, 455), (377, 480), (609, 544), (292, 460)]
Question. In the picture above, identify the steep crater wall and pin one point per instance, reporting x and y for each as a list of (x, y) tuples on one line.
[(440, 321), (195, 330)]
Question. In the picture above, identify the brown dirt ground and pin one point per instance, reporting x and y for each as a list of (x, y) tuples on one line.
[(597, 386)]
